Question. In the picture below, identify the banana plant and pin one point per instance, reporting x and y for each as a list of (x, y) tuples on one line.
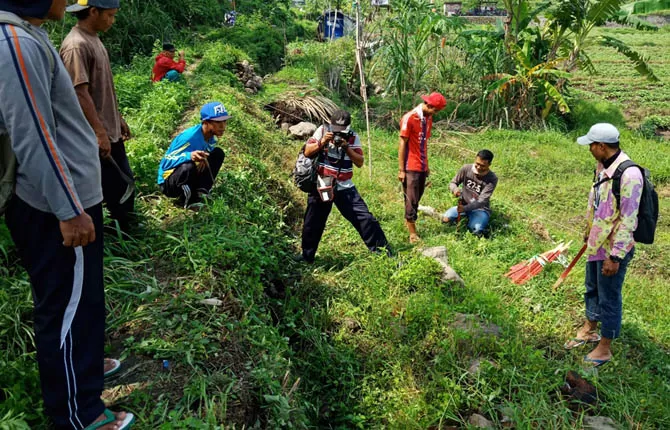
[(530, 93)]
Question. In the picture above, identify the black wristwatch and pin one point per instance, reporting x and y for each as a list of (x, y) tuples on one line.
[(616, 259)]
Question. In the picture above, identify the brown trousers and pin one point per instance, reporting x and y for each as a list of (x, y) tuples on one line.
[(413, 188)]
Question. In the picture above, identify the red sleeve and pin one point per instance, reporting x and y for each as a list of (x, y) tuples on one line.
[(178, 65), (166, 63)]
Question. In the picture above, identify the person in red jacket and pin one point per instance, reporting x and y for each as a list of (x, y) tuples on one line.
[(166, 67)]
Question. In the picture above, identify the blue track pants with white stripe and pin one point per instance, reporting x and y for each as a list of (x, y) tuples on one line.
[(69, 314)]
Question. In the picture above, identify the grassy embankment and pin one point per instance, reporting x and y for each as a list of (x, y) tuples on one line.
[(358, 340)]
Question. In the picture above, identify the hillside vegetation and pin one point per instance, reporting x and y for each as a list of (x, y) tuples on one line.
[(357, 340)]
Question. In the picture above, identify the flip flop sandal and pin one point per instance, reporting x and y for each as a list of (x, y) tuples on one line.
[(573, 343), (110, 418), (580, 342), (114, 370), (595, 362)]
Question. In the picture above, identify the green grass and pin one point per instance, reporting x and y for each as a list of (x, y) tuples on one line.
[(618, 82), (359, 340), (413, 365)]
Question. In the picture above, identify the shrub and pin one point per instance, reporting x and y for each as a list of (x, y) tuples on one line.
[(334, 62), (219, 59), (651, 125)]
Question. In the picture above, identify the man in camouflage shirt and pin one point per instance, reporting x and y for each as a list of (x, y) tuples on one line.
[(610, 243)]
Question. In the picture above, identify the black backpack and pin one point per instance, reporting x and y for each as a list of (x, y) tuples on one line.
[(305, 171), (647, 215)]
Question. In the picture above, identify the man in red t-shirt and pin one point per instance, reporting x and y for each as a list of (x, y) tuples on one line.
[(166, 67), (413, 169)]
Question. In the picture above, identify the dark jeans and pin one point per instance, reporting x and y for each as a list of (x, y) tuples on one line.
[(413, 188), (353, 208), (113, 186), (188, 174), (478, 219), (69, 314), (603, 296)]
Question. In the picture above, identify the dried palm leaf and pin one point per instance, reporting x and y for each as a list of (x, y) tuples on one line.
[(318, 108)]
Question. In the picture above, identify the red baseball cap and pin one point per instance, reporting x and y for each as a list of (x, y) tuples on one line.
[(436, 100)]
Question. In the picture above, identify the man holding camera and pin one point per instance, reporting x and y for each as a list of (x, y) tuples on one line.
[(338, 149), (191, 163)]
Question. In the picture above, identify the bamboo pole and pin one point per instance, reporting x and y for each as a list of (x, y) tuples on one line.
[(566, 272), (364, 87)]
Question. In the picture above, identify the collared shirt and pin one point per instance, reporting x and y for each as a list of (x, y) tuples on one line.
[(612, 228), (335, 161), (416, 127), (179, 152)]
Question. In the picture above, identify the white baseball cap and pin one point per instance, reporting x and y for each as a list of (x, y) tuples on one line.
[(602, 132)]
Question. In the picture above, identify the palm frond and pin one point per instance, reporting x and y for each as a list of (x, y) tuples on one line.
[(534, 14), (315, 107), (634, 21), (586, 63), (603, 10), (640, 62)]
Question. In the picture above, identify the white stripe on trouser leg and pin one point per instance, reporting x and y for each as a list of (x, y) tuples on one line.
[(67, 380), (68, 317), (74, 384), (69, 391), (77, 282)]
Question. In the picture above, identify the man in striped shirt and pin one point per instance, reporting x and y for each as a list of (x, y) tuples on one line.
[(413, 169), (339, 149), (55, 215)]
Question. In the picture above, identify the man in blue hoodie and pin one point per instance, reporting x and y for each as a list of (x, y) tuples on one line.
[(55, 215), (191, 163)]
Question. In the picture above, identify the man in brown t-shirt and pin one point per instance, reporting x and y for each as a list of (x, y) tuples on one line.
[(87, 62)]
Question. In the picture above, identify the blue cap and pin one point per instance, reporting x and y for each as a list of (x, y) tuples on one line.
[(214, 111), (601, 132), (102, 4), (33, 9)]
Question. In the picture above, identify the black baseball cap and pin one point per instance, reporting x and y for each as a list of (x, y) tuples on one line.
[(340, 121)]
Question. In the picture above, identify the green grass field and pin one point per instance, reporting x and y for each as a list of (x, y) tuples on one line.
[(357, 340), (617, 81)]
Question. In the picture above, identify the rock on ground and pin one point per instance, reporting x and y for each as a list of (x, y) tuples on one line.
[(479, 421), (473, 324), (439, 254), (476, 364), (302, 130), (599, 423)]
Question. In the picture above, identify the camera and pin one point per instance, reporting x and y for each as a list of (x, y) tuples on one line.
[(339, 140)]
